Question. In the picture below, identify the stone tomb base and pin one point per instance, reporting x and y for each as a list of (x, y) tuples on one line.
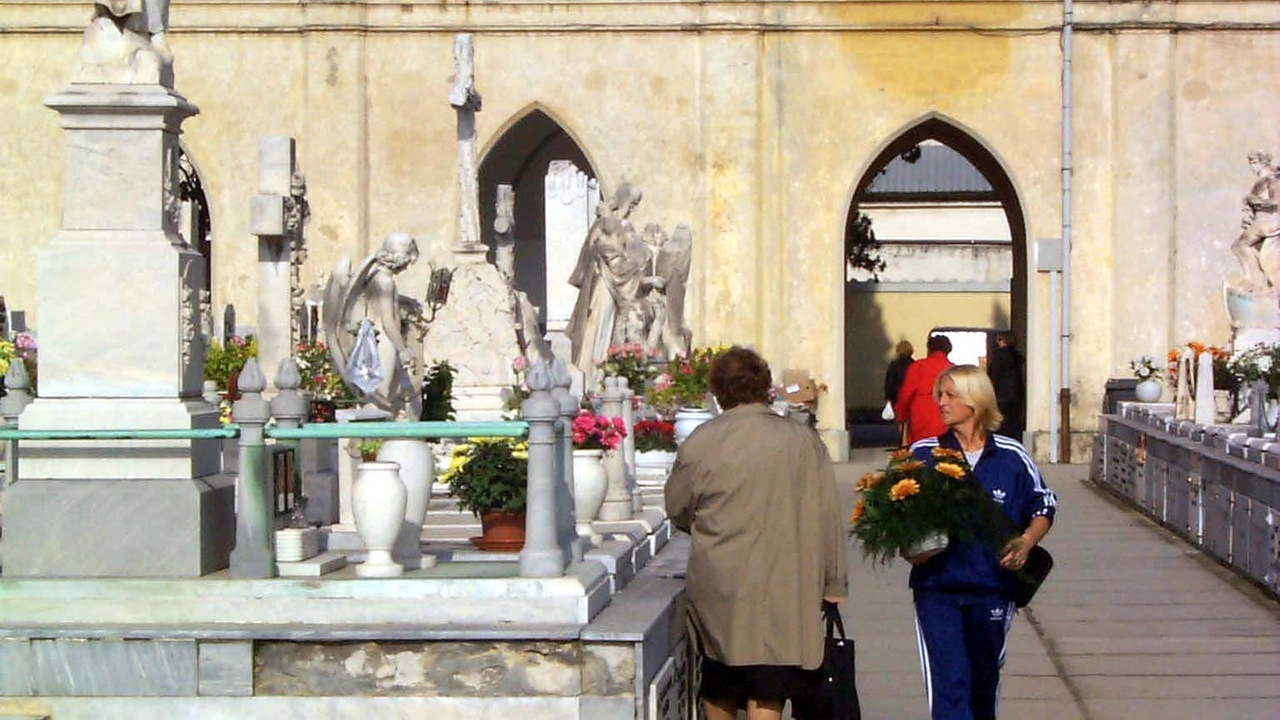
[(420, 646)]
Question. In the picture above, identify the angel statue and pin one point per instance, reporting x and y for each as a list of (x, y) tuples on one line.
[(1260, 225), (671, 265), (367, 323), (126, 43)]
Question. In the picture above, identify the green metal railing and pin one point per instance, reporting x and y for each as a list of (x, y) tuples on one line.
[(416, 430), (12, 433)]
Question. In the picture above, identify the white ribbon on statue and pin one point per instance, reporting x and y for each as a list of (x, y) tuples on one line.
[(363, 369)]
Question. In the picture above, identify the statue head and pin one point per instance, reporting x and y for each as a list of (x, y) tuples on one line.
[(682, 233), (1259, 160), (626, 198), (398, 252)]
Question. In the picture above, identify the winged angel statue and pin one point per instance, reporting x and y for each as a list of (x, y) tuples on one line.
[(367, 323)]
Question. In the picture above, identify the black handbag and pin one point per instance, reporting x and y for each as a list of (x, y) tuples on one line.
[(1025, 581), (836, 696)]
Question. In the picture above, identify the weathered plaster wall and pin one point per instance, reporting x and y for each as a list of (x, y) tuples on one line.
[(751, 121)]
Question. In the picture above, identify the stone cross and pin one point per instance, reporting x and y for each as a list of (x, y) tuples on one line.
[(276, 216), (465, 99)]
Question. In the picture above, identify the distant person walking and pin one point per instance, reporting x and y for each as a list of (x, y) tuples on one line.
[(897, 371), (916, 409), (757, 494), (1006, 370)]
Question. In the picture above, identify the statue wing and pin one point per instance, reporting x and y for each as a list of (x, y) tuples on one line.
[(674, 259), (331, 313)]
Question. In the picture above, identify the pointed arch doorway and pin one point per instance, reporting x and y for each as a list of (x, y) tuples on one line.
[(521, 157), (952, 235)]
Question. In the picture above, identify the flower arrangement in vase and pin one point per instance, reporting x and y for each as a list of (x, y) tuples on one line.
[(684, 382), (321, 381), (631, 361), (597, 432), (23, 347), (655, 436), (1148, 375), (911, 502)]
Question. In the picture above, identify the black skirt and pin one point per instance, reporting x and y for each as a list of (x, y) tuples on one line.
[(759, 682)]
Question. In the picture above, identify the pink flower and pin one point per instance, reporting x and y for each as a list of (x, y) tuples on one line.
[(662, 382), (519, 364)]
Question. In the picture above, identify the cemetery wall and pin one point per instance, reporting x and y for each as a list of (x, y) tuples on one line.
[(754, 122)]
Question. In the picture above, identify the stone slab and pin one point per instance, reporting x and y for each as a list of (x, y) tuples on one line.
[(297, 708), (15, 668), (321, 564), (225, 669), (118, 528), (114, 667), (615, 556)]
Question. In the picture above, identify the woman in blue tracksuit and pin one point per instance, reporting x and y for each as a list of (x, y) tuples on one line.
[(963, 609)]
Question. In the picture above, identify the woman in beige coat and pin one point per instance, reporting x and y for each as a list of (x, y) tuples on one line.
[(757, 494)]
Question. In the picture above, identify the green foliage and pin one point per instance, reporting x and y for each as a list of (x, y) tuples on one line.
[(319, 378), (910, 500), (368, 448), (437, 392), (655, 435), (684, 384), (222, 361), (861, 248), (489, 474), (1260, 362)]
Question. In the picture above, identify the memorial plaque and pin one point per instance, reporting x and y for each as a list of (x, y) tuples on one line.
[(669, 692)]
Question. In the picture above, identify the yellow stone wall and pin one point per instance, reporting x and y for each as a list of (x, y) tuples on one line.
[(751, 121)]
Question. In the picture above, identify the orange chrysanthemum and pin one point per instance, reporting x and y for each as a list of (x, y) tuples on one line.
[(858, 509), (868, 481), (947, 453), (903, 489), (899, 455), (910, 465), (951, 470)]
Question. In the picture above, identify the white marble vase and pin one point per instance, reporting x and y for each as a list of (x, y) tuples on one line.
[(590, 483), (417, 473), (1148, 391), (378, 500), (688, 420)]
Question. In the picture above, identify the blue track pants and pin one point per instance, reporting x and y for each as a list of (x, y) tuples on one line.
[(962, 646)]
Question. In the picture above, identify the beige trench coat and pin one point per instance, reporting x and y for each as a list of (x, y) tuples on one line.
[(757, 494)]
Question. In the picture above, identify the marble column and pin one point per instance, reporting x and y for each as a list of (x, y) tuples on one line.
[(276, 167), (618, 503), (118, 293), (546, 551)]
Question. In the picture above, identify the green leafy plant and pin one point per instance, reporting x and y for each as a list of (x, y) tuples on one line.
[(630, 361), (23, 347), (437, 392), (684, 384), (910, 500), (489, 474), (1144, 368), (223, 361), (368, 448), (319, 378), (1260, 362)]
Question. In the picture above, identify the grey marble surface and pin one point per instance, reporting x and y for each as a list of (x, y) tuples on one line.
[(225, 668), (114, 667)]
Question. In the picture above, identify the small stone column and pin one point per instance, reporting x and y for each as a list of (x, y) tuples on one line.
[(544, 554), (253, 555), (567, 518), (267, 220), (629, 443), (618, 504)]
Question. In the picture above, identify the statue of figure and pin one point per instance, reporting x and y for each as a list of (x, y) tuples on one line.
[(610, 267), (1260, 225), (126, 43), (532, 344), (672, 265), (370, 294)]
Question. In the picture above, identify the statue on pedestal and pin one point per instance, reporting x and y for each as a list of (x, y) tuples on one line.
[(126, 44), (1253, 300), (369, 297)]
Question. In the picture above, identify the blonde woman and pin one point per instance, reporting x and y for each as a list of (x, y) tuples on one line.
[(963, 605)]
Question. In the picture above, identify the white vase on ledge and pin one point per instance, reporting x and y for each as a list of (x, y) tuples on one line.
[(1148, 391)]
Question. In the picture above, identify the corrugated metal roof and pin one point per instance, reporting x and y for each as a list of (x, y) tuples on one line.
[(938, 171)]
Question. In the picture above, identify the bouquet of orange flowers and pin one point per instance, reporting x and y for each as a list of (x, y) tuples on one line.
[(911, 500)]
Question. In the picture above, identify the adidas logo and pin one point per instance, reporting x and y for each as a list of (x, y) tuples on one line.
[(998, 495)]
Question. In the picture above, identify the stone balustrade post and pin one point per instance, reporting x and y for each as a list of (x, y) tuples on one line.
[(289, 407), (253, 555), (566, 517), (18, 395), (618, 504), (545, 554)]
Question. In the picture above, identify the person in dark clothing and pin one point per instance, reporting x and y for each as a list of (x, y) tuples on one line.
[(1006, 371), (898, 370)]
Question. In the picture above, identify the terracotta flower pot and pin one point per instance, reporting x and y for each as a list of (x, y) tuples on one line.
[(503, 530)]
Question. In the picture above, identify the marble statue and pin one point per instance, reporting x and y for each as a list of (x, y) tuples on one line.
[(672, 266), (126, 44), (370, 294), (533, 346), (1260, 225), (608, 280)]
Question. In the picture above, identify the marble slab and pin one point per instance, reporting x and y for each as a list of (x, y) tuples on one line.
[(114, 667)]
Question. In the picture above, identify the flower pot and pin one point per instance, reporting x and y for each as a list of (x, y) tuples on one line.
[(653, 462), (378, 501), (590, 484), (1148, 391), (503, 531), (417, 473), (688, 420), (927, 546)]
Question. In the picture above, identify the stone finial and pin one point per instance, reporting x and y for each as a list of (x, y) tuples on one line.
[(289, 406), (287, 375), (560, 374), (251, 378), (541, 377), (17, 388)]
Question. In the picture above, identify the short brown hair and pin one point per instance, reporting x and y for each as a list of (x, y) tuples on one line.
[(739, 376)]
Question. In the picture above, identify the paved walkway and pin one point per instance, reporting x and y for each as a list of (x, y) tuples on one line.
[(1133, 624)]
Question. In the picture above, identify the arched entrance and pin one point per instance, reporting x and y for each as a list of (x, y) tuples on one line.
[(520, 157), (945, 219)]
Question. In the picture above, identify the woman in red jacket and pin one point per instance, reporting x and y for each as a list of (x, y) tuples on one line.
[(916, 409)]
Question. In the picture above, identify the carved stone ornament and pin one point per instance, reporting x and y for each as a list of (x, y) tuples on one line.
[(125, 44)]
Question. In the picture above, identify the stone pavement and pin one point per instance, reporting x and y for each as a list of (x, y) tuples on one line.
[(1133, 624)]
